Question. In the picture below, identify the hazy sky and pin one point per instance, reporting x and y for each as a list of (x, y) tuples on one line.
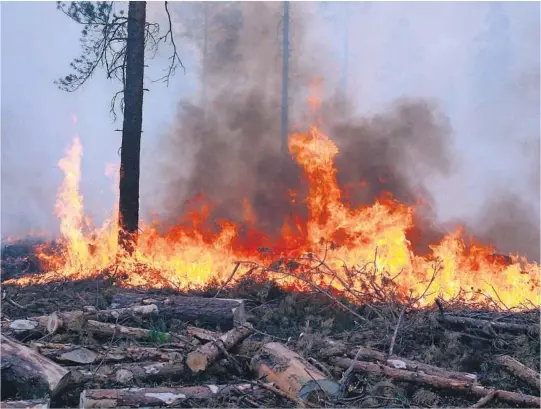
[(479, 61)]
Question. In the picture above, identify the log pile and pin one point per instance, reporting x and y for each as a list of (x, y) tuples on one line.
[(118, 364)]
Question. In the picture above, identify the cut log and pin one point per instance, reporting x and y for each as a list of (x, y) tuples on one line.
[(108, 330), (205, 355), (25, 369), (26, 404), (435, 381), (75, 320), (487, 325), (216, 312), (25, 328), (161, 397), (291, 373), (77, 355), (128, 374), (519, 370), (203, 334)]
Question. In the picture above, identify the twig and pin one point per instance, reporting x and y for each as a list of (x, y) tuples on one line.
[(395, 333), (237, 264), (343, 385), (486, 399)]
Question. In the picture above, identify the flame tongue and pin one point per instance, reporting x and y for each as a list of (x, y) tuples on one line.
[(373, 238)]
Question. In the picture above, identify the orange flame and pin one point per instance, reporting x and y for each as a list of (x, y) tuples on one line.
[(190, 255)]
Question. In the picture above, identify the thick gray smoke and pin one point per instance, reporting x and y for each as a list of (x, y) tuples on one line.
[(231, 141)]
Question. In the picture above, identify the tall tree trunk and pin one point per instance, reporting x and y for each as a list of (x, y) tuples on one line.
[(205, 52), (285, 74), (132, 128)]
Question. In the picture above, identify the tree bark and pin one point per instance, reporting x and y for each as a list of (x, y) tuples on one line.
[(131, 129), (108, 330), (206, 355), (26, 370), (161, 397), (26, 404), (520, 370), (216, 312), (291, 373), (438, 382)]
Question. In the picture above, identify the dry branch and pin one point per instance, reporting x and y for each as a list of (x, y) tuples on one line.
[(520, 370), (21, 366), (487, 325), (161, 397), (291, 373), (435, 381), (225, 313), (205, 355), (26, 404)]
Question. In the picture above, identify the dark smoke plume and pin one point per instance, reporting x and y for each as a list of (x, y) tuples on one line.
[(231, 142)]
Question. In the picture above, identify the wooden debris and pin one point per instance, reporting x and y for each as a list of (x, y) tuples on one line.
[(75, 354), (106, 329), (128, 373), (435, 381), (74, 320), (161, 397), (488, 326), (217, 312), (26, 404), (21, 366), (398, 362), (291, 373), (520, 370), (481, 403), (25, 328), (205, 355), (203, 334)]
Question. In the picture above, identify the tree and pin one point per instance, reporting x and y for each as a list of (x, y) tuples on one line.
[(117, 43)]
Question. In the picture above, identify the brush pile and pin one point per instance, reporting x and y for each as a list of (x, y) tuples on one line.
[(93, 344)]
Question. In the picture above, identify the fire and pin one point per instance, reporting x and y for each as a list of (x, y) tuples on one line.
[(356, 243)]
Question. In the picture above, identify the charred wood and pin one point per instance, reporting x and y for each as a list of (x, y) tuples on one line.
[(26, 404)]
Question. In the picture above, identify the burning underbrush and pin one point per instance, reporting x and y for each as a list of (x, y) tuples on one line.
[(337, 309)]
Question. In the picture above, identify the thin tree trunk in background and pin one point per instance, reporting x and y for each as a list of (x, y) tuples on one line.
[(346, 55), (132, 128), (285, 72), (205, 51)]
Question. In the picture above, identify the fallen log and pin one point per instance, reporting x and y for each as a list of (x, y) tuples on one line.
[(21, 367), (26, 404), (203, 334), (75, 320), (398, 362), (435, 381), (205, 355), (108, 330), (487, 325), (520, 370), (291, 373), (78, 355), (216, 312), (130, 373), (161, 397)]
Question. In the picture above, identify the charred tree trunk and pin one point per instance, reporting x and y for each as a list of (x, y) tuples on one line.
[(131, 129)]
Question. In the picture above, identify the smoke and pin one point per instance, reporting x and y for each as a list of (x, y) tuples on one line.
[(227, 147)]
